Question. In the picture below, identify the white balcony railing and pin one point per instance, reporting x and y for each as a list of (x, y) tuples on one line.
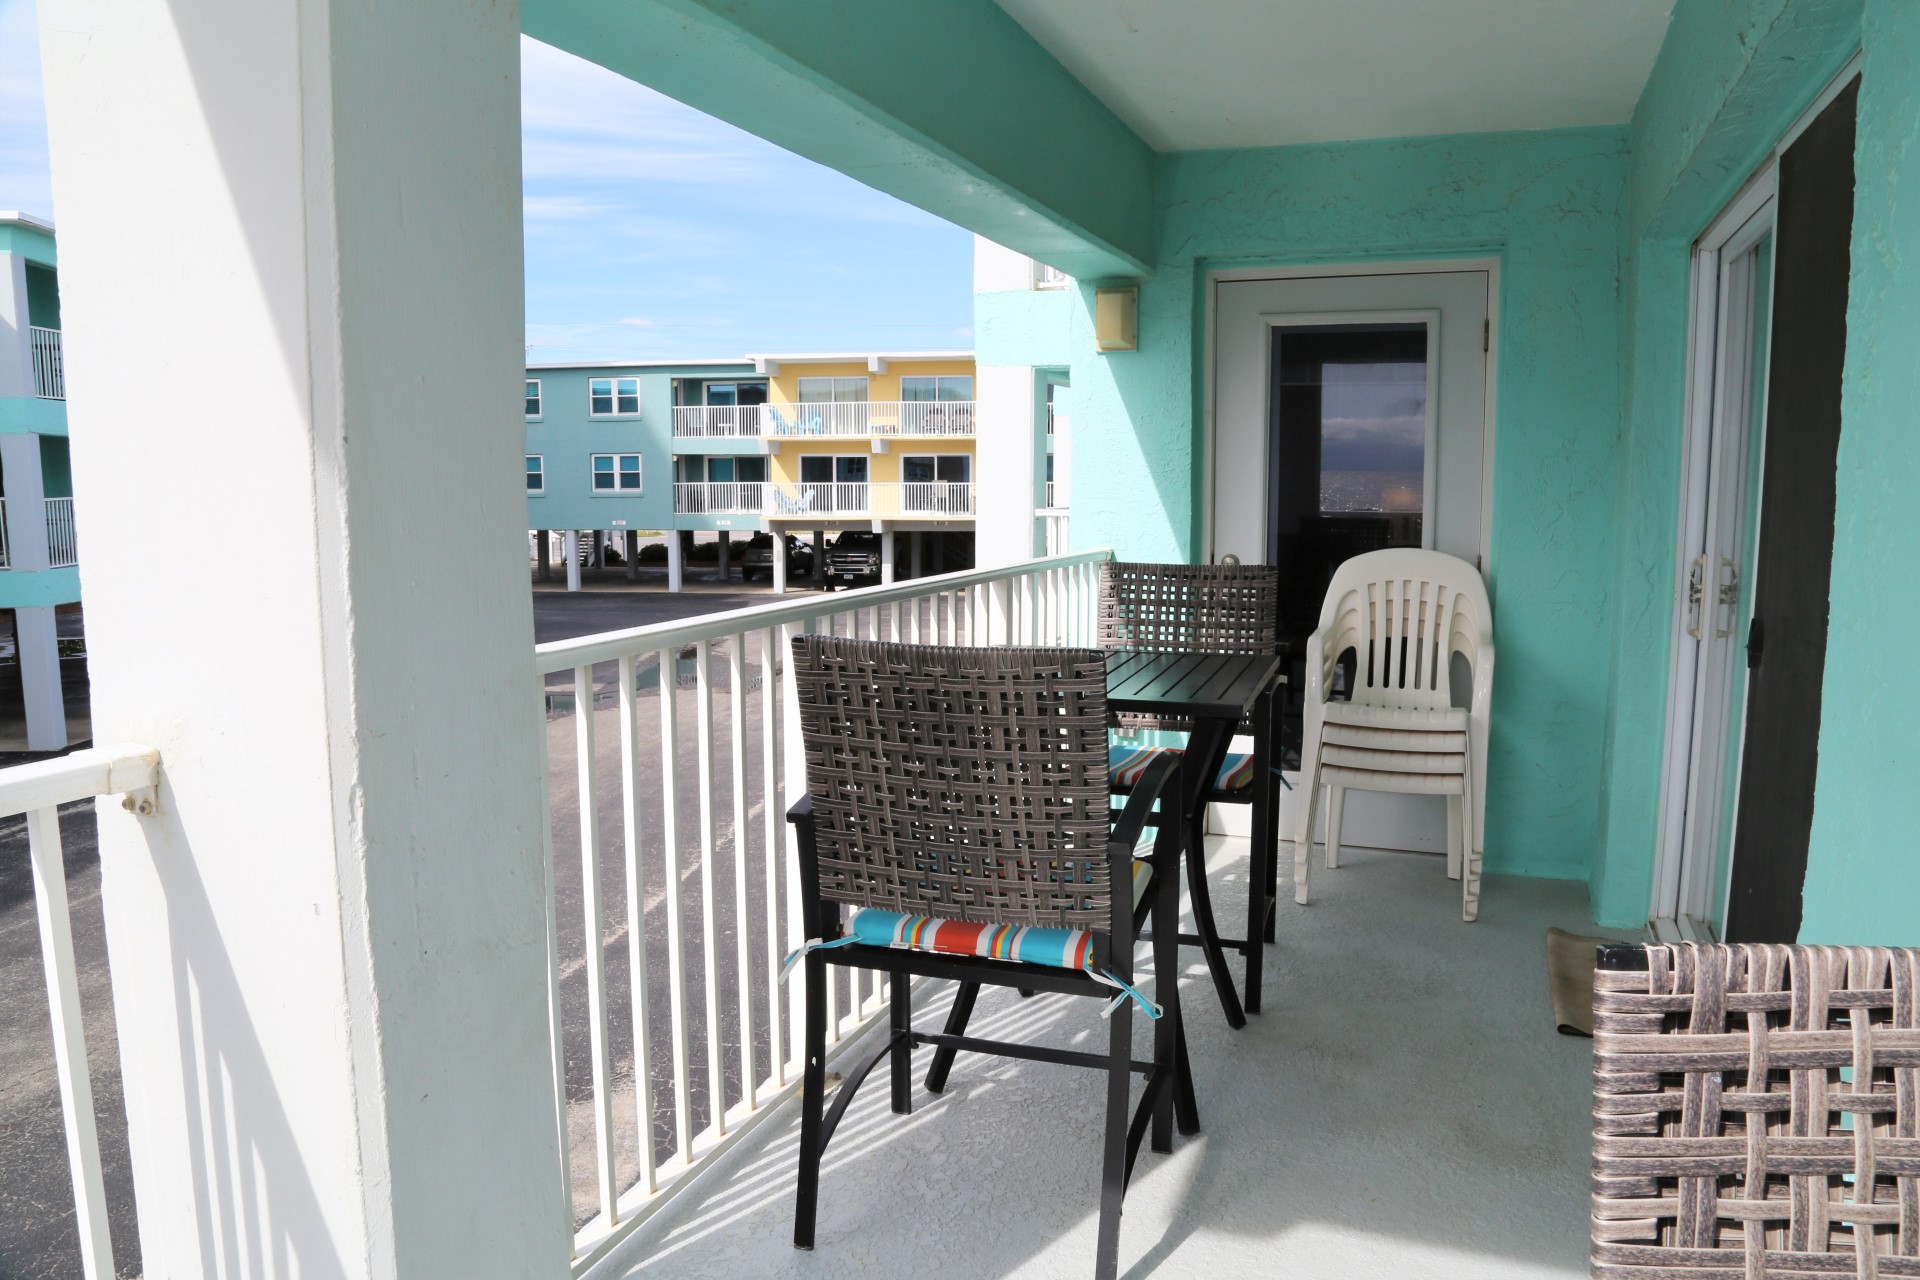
[(882, 501), (38, 790), (695, 821), (714, 497), (853, 418), (6, 558), (63, 546), (49, 372), (694, 421), (1054, 493)]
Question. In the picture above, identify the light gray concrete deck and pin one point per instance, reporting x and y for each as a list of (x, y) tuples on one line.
[(1402, 1108)]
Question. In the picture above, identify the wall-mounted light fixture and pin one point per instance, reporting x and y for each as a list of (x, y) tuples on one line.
[(1116, 319)]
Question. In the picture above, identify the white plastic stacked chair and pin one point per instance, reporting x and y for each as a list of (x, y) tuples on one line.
[(1404, 613)]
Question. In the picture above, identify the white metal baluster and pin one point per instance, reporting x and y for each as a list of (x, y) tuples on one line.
[(69, 1041), (774, 819), (737, 699), (558, 1046), (676, 951), (636, 916), (709, 908), (794, 770), (596, 954)]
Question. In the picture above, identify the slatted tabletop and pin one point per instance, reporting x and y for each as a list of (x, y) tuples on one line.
[(1213, 686)]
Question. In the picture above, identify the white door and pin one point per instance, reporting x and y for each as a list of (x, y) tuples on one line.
[(1733, 276), (1350, 413)]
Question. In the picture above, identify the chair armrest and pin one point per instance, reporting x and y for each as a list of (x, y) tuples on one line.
[(802, 810), (1483, 680), (1146, 794)]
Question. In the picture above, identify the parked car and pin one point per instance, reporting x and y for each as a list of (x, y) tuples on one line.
[(853, 558), (756, 558)]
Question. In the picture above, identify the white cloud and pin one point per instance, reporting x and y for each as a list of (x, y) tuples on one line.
[(25, 182)]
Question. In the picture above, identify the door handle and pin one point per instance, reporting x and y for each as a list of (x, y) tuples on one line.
[(1728, 598), (1756, 642), (1696, 592)]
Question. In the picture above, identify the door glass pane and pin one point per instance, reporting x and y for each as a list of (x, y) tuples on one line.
[(850, 469), (722, 393), (956, 388), (816, 468), (953, 468), (720, 470), (750, 470), (917, 388), (816, 390), (1348, 453), (848, 390), (916, 470), (753, 393)]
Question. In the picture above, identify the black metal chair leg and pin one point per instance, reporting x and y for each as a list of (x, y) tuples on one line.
[(900, 1014), (1166, 989), (812, 1102), (1261, 848), (956, 1025), (1113, 1167), (1202, 899), (1186, 1108)]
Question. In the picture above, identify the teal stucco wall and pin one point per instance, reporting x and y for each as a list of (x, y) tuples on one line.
[(1551, 207), (1863, 866)]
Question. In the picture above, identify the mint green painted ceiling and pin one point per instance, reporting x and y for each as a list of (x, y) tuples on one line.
[(950, 106), (1253, 73)]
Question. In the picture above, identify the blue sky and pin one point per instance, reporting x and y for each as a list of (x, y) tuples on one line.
[(654, 231)]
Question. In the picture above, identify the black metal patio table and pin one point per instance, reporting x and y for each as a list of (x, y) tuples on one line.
[(1216, 692)]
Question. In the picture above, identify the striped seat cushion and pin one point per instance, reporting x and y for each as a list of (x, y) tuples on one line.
[(1125, 765), (1060, 948)]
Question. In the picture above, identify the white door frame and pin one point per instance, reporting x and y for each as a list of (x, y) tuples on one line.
[(1210, 381), (1721, 434)]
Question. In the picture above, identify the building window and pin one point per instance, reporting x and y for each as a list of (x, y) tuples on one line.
[(736, 470), (736, 393), (944, 387), (833, 390), (613, 397), (828, 468), (1046, 277), (616, 473), (937, 468), (533, 397), (536, 473)]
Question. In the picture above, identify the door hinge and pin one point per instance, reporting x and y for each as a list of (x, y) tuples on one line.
[(1486, 334)]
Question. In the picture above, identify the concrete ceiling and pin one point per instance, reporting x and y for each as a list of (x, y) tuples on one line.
[(1192, 74)]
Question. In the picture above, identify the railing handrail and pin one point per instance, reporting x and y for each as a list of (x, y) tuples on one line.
[(80, 775), (839, 417), (607, 646)]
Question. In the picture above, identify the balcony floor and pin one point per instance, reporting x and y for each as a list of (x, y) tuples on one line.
[(1402, 1107)]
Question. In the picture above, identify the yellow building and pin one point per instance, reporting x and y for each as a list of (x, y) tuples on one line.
[(881, 442)]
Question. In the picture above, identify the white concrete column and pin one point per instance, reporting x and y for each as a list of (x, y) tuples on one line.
[(886, 557), (779, 563), (26, 494), (329, 943), (37, 636), (676, 561), (16, 351), (1005, 530), (572, 545)]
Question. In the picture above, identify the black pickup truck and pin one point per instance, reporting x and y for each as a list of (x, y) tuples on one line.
[(853, 558)]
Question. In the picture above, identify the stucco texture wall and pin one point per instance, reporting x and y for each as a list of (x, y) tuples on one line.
[(1863, 874), (1551, 208)]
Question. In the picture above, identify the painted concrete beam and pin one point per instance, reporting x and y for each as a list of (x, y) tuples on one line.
[(952, 107)]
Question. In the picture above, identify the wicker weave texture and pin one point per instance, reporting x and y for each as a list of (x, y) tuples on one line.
[(1189, 608), (969, 784), (1757, 1114)]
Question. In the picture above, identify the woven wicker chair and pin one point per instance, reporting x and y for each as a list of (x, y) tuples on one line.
[(1207, 608), (1756, 1112), (957, 798)]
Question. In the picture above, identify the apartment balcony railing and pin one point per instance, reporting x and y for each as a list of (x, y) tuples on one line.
[(49, 371), (714, 498), (63, 546), (1055, 492), (690, 805), (882, 500), (855, 418)]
